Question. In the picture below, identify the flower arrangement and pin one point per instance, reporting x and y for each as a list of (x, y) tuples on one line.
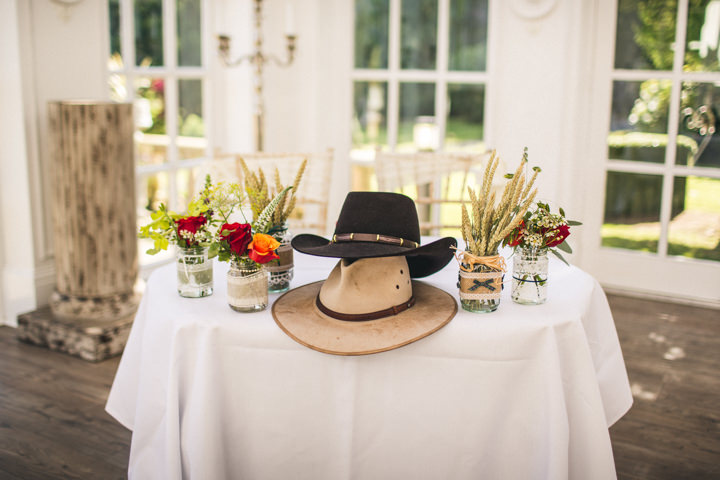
[(492, 221), (260, 194), (249, 244), (194, 229), (480, 278), (541, 229)]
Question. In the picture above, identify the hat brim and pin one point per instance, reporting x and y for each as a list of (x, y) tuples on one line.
[(297, 315), (423, 260)]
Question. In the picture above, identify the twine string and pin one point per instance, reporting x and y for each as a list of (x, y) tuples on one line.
[(494, 262)]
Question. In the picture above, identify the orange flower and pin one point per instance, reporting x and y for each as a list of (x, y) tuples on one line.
[(262, 248)]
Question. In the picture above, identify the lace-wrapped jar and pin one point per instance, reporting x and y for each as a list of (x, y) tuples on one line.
[(281, 271), (194, 272), (530, 274), (247, 286)]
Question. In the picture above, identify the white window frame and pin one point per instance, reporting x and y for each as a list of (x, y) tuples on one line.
[(393, 75), (171, 73)]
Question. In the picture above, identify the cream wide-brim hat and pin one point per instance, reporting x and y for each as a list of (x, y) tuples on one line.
[(356, 289)]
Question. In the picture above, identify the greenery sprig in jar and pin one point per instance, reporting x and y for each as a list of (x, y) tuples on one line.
[(192, 234), (539, 232), (248, 247), (259, 193), (483, 229)]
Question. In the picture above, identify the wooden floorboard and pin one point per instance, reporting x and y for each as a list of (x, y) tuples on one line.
[(53, 424), (672, 355)]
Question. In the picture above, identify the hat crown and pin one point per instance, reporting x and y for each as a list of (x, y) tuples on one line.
[(383, 213), (367, 285)]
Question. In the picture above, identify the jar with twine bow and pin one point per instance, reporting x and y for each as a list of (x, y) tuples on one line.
[(480, 278)]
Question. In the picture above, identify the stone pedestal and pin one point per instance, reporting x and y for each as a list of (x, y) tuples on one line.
[(92, 340), (95, 242)]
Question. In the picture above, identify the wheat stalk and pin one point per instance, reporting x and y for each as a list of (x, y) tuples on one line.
[(487, 224)]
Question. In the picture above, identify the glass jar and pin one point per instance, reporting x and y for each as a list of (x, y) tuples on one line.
[(247, 286), (480, 287), (282, 270), (529, 278), (194, 272)]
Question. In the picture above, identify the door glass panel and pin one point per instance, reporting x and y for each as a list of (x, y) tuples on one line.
[(645, 34), (468, 35), (152, 190), (632, 211), (149, 105), (371, 33), (369, 115), (148, 33), (417, 116), (695, 225), (418, 34), (190, 108), (465, 122), (187, 185), (115, 52), (638, 121), (188, 33), (702, 52), (699, 133)]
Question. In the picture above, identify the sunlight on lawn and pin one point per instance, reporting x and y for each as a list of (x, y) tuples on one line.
[(694, 232)]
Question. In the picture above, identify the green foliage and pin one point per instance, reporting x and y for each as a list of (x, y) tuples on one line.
[(263, 222)]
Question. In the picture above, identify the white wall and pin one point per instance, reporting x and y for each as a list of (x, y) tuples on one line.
[(48, 53)]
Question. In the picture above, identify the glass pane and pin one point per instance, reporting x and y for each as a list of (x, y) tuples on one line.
[(638, 121), (115, 52), (418, 34), (186, 188), (148, 33), (190, 109), (152, 190), (645, 34), (468, 35), (632, 211), (702, 52), (149, 107), (371, 33), (699, 133), (118, 87), (417, 129), (369, 115), (695, 226), (465, 122), (151, 149), (189, 42)]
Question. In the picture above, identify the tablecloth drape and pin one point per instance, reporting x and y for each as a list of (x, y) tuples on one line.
[(526, 392)]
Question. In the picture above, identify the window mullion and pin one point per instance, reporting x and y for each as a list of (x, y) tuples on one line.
[(443, 52), (393, 67), (171, 96), (673, 127)]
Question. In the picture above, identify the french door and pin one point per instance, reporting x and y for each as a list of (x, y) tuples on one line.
[(658, 229)]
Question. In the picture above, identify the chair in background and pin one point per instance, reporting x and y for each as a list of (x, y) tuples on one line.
[(437, 181), (311, 208)]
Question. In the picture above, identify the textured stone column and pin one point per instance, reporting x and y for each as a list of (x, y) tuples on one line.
[(93, 188), (93, 208)]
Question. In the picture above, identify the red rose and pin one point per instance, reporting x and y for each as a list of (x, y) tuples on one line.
[(515, 237), (561, 234), (190, 225), (238, 236)]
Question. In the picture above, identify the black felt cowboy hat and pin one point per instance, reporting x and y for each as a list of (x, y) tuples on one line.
[(379, 224)]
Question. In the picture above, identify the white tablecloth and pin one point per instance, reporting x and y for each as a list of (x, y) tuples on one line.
[(526, 392)]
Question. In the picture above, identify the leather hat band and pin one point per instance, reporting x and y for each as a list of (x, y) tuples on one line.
[(359, 317), (374, 237)]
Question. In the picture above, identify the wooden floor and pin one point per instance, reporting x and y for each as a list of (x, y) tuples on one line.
[(53, 424)]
